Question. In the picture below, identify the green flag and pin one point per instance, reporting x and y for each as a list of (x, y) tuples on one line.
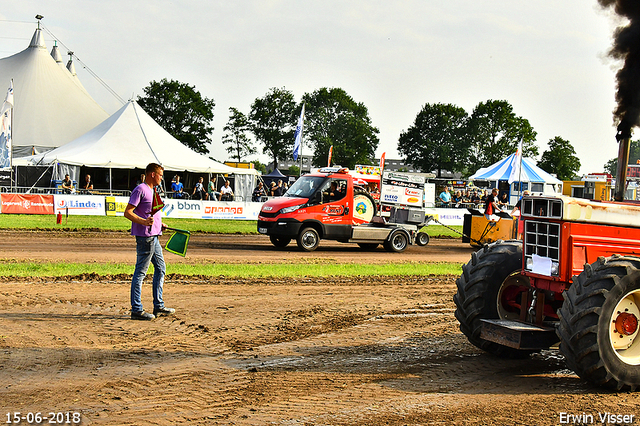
[(177, 243)]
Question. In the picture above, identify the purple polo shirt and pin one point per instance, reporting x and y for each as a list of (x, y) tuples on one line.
[(142, 198)]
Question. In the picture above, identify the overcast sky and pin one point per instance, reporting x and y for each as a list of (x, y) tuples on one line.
[(547, 58)]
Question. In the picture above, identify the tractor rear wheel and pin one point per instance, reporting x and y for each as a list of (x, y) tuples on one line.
[(599, 323), (479, 289)]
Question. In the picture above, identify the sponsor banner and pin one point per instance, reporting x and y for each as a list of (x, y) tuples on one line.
[(115, 205), (27, 204), (403, 189), (85, 205), (196, 209), (448, 217)]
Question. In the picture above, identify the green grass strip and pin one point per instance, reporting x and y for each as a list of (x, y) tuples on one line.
[(119, 223), (48, 269)]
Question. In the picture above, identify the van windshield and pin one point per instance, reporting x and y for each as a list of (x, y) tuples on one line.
[(305, 186)]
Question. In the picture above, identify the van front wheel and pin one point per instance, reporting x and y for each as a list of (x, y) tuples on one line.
[(308, 239)]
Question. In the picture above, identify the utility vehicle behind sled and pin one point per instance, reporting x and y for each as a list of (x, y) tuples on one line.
[(328, 205)]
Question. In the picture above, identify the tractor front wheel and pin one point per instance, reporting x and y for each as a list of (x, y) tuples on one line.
[(599, 323), (481, 289)]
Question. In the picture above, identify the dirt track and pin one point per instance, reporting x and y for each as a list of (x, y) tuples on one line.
[(323, 351)]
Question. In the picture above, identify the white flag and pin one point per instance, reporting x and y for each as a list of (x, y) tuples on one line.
[(516, 165), (5, 130), (8, 100), (297, 145)]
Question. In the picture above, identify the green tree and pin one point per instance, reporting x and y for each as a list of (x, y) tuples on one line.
[(333, 118), (611, 166), (560, 159), (496, 131), (181, 110), (272, 120), (262, 168), (294, 171), (437, 139), (236, 135)]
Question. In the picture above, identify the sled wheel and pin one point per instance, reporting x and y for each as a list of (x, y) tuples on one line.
[(479, 288), (308, 239), (279, 241), (599, 323), (397, 242), (422, 239)]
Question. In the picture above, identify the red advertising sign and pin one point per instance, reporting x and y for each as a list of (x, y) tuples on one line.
[(26, 204)]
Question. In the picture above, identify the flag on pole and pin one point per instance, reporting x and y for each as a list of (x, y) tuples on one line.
[(177, 243), (382, 162), (5, 129), (157, 204), (516, 164), (330, 155), (8, 100), (297, 145)]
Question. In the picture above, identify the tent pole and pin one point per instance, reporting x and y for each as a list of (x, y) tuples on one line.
[(110, 182)]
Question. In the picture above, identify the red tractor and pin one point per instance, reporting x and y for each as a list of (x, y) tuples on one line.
[(573, 279)]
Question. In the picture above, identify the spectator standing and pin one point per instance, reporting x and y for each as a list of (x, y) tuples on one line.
[(503, 200), (457, 199), (491, 205), (475, 198), (445, 197), (278, 190), (147, 228), (177, 187), (88, 184)]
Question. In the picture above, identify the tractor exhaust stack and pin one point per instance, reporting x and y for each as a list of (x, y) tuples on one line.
[(624, 140)]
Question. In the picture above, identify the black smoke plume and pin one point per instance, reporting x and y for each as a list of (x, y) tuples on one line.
[(626, 48)]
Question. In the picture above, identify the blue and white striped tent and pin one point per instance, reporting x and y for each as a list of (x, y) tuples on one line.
[(538, 180)]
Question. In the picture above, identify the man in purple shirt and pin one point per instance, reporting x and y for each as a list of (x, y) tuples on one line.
[(146, 229)]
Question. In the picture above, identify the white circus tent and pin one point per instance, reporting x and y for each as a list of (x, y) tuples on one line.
[(131, 139), (51, 107)]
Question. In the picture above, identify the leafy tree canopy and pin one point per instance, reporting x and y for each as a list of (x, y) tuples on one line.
[(333, 118), (272, 119), (437, 139), (496, 131), (236, 135), (560, 159), (262, 168), (181, 110)]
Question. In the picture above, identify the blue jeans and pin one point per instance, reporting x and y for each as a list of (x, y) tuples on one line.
[(148, 250)]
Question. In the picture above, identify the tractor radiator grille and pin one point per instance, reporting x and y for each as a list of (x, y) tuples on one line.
[(543, 239)]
